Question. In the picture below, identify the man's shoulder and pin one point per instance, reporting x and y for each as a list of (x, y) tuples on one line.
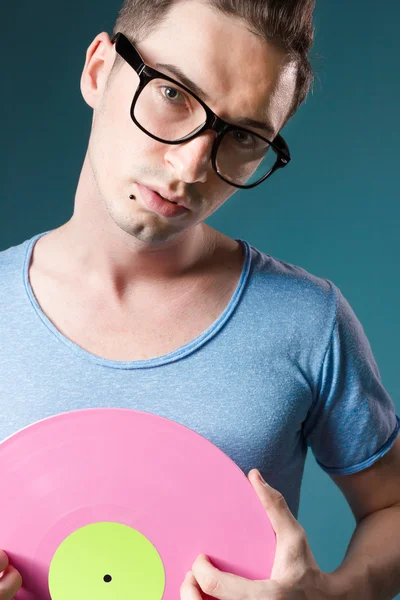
[(292, 288), (288, 276), (12, 269), (11, 257)]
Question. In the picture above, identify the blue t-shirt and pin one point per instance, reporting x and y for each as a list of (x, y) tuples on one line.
[(286, 365)]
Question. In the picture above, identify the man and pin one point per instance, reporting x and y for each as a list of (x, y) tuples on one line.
[(136, 303)]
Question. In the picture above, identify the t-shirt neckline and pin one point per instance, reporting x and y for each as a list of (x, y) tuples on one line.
[(177, 354)]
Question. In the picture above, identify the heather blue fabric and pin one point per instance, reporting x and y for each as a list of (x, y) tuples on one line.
[(285, 367)]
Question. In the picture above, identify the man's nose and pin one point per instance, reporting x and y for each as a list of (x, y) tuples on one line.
[(191, 160)]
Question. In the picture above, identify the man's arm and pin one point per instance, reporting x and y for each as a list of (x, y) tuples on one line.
[(371, 566)]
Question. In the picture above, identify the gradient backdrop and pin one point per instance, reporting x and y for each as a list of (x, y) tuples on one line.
[(334, 211)]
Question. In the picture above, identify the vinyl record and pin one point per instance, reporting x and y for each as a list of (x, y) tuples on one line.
[(115, 503)]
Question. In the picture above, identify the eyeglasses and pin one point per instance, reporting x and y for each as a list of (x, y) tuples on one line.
[(173, 114)]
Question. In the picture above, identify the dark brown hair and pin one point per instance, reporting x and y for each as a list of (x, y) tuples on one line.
[(285, 23)]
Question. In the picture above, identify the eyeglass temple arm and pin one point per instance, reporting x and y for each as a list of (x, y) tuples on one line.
[(124, 48), (283, 147)]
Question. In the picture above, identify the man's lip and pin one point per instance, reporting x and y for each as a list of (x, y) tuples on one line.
[(169, 196)]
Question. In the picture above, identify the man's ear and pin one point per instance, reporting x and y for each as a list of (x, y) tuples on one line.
[(99, 61)]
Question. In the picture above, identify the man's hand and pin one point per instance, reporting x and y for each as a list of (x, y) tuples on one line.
[(295, 574), (10, 581)]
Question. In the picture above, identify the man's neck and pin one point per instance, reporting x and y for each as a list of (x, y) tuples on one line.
[(112, 262)]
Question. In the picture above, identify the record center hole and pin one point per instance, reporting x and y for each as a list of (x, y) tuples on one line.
[(107, 578)]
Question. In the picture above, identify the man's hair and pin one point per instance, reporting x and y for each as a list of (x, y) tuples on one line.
[(287, 24)]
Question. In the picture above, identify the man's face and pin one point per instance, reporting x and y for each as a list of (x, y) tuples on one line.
[(242, 75)]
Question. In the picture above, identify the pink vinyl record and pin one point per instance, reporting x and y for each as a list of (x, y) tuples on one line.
[(116, 503)]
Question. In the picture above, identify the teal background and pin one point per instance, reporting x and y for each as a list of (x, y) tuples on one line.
[(334, 211)]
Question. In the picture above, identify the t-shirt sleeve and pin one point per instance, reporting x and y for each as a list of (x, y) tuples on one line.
[(352, 421)]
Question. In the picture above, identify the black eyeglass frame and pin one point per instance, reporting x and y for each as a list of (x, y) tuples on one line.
[(146, 74)]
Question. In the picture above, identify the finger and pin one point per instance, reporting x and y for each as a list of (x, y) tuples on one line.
[(221, 585), (190, 589), (282, 519), (3, 561), (10, 583)]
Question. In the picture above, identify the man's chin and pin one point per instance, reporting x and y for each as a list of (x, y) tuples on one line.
[(145, 232)]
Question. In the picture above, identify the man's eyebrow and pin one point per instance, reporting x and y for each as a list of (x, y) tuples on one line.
[(245, 122)]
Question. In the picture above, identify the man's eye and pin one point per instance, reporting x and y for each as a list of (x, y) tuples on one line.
[(243, 138), (170, 94)]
